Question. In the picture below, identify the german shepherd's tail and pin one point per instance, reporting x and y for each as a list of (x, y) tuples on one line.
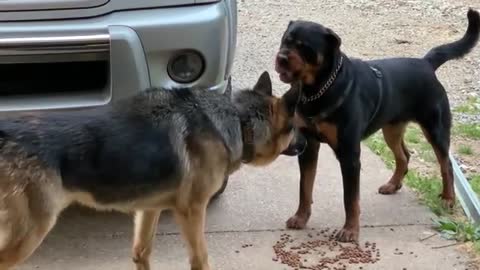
[(441, 54)]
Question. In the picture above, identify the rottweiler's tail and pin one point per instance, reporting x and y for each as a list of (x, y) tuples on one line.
[(441, 54)]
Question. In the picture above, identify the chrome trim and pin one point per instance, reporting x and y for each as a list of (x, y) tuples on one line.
[(55, 44)]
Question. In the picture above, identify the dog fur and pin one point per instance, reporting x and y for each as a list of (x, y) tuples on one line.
[(345, 100), (161, 149)]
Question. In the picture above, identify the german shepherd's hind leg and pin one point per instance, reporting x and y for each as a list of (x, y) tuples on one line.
[(192, 223), (24, 223), (144, 234), (436, 129), (393, 135)]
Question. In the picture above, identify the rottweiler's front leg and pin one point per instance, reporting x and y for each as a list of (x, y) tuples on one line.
[(307, 162), (348, 154)]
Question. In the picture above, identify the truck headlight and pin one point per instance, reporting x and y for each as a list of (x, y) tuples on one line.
[(186, 66)]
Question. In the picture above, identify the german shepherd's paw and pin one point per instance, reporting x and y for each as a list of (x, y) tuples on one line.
[(298, 221), (389, 188), (348, 234)]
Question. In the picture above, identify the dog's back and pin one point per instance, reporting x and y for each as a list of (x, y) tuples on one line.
[(119, 153), (410, 84)]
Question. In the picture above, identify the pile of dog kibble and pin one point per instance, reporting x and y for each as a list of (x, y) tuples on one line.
[(328, 254)]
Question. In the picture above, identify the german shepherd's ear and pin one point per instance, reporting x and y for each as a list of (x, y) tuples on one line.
[(264, 84), (292, 97)]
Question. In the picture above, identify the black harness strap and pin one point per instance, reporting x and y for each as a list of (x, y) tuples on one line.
[(329, 110), (379, 76)]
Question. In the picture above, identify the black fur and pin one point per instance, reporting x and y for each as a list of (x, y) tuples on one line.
[(441, 54), (375, 94), (93, 151), (139, 145)]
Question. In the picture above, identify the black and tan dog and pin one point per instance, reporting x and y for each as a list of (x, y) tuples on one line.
[(345, 100), (158, 150)]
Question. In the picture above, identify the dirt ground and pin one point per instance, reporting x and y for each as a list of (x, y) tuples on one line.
[(371, 29)]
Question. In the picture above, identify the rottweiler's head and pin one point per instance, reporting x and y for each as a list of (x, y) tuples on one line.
[(305, 50)]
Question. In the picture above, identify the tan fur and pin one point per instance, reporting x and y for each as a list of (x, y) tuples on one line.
[(393, 135), (306, 72), (279, 141), (329, 131)]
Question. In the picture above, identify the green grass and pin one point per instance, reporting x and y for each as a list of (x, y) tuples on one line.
[(413, 135), (465, 150), (428, 188), (471, 131), (475, 183), (471, 106), (415, 139), (460, 231), (476, 246)]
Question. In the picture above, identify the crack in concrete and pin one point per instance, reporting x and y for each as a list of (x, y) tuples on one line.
[(305, 230)]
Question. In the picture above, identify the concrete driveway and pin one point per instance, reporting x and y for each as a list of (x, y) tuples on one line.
[(249, 218), (247, 221)]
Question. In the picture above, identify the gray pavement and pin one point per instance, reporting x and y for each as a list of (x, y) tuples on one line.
[(257, 202), (253, 211)]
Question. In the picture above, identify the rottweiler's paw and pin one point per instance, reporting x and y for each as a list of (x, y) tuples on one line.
[(448, 202), (348, 235), (389, 188), (298, 221)]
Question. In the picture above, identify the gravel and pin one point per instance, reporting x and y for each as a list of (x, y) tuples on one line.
[(369, 29)]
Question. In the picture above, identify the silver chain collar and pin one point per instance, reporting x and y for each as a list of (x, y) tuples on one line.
[(325, 86)]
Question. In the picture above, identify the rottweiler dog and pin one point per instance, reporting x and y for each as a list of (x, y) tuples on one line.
[(345, 100)]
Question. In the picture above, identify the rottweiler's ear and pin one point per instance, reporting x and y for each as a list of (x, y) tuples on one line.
[(333, 39), (264, 84), (292, 97)]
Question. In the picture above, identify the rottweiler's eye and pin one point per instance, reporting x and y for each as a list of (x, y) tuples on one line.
[(303, 46), (288, 40), (309, 54)]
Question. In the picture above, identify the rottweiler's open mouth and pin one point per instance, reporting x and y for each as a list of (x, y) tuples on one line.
[(285, 75)]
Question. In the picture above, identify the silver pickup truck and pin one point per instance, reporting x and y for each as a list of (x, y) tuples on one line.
[(75, 54)]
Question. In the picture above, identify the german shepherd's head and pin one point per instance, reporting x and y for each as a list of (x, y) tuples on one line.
[(272, 121)]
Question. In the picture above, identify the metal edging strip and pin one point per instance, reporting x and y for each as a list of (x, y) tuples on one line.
[(465, 194)]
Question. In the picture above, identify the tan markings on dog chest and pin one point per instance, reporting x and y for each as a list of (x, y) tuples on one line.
[(329, 132)]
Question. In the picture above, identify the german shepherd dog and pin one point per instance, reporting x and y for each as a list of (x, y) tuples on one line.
[(160, 149), (345, 100)]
